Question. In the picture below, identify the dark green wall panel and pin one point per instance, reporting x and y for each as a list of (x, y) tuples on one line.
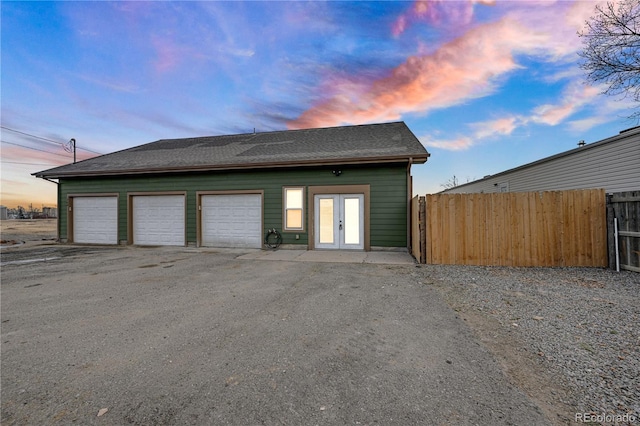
[(388, 196)]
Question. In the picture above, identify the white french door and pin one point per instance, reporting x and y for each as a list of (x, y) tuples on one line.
[(339, 221)]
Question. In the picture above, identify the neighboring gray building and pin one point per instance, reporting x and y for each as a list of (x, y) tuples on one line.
[(612, 164), (3, 213)]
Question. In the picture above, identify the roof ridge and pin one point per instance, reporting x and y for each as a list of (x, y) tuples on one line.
[(309, 129)]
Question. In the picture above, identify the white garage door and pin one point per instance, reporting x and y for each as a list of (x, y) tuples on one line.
[(158, 220), (232, 220), (95, 220)]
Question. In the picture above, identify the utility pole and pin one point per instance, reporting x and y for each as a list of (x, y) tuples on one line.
[(73, 143), (71, 146)]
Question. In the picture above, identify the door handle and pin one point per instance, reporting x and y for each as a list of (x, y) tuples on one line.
[(340, 225)]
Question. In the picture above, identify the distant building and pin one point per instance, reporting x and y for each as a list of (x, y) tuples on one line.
[(612, 164), (50, 212), (3, 213)]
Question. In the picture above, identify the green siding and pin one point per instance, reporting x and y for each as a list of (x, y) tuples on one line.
[(388, 195)]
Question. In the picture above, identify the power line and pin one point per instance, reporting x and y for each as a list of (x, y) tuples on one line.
[(28, 164), (32, 136), (47, 140), (35, 149)]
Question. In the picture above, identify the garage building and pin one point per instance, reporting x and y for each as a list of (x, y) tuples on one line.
[(344, 187)]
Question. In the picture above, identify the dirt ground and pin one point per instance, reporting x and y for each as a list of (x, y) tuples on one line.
[(23, 230)]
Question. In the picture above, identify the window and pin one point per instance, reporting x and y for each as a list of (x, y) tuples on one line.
[(293, 209)]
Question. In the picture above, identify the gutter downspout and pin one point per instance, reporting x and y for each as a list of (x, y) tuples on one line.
[(59, 205), (409, 196)]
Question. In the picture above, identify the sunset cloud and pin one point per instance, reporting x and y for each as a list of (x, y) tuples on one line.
[(480, 130), (457, 144), (501, 126), (469, 67), (460, 70), (437, 12), (604, 110), (574, 98), (463, 74)]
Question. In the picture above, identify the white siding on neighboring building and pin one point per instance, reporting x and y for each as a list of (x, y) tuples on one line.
[(612, 164)]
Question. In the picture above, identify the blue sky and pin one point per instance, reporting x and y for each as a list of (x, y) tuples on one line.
[(485, 85)]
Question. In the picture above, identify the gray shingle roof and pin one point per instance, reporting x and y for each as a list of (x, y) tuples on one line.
[(369, 143)]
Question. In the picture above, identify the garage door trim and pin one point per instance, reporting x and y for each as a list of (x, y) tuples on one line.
[(130, 196), (199, 195), (70, 210)]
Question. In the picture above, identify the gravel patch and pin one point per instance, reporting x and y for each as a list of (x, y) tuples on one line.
[(582, 324)]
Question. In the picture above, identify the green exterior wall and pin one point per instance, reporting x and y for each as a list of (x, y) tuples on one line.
[(388, 195)]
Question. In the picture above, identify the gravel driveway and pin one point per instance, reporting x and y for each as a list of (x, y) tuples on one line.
[(570, 337), (190, 336)]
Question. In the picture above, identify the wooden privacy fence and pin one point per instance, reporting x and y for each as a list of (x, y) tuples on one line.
[(625, 207), (558, 228)]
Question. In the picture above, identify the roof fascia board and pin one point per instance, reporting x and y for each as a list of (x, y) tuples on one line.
[(421, 159)]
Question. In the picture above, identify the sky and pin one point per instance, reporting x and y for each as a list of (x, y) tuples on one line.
[(485, 85)]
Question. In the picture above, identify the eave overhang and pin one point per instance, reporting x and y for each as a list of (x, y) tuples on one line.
[(413, 159)]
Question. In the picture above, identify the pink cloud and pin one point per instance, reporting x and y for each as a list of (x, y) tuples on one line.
[(168, 55), (462, 69), (606, 109), (466, 68), (458, 144), (501, 126), (557, 24), (575, 97), (482, 130), (437, 12)]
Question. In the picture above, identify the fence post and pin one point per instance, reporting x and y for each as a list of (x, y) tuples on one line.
[(422, 220), (611, 246)]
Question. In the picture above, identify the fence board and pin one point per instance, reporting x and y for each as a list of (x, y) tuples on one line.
[(625, 206), (415, 228), (558, 228)]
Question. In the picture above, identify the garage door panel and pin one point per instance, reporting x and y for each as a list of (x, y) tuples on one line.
[(95, 220), (232, 220), (158, 219)]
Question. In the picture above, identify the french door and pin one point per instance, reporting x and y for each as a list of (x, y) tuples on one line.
[(339, 221)]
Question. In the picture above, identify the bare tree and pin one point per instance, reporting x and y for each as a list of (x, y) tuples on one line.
[(452, 182), (611, 50)]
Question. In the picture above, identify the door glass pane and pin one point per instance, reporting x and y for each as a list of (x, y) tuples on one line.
[(326, 221), (352, 221)]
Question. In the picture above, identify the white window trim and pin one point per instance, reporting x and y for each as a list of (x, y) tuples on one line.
[(285, 209)]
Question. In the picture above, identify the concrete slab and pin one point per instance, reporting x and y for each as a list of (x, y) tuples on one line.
[(287, 255), (334, 256), (331, 256), (389, 257)]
